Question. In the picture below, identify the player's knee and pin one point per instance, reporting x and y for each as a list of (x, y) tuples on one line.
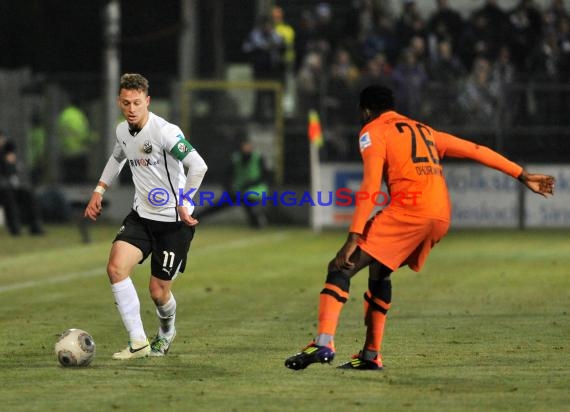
[(116, 272), (332, 268), (381, 289), (340, 279), (159, 293)]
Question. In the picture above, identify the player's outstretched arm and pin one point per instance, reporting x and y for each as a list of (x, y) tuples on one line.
[(540, 184)]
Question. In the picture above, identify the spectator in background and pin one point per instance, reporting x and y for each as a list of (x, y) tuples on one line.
[(563, 33), (446, 73), (546, 64), (411, 23), (362, 16), (343, 72), (497, 27), (305, 37), (265, 48), (360, 21), (382, 39), (503, 70), (479, 95), (445, 22), (447, 69), (418, 48), (553, 14), (377, 71), (564, 65), (340, 110), (73, 130), (36, 147), (545, 61), (410, 79), (526, 30), (327, 32), (310, 84), (475, 40), (18, 200), (287, 33), (503, 75), (75, 139)]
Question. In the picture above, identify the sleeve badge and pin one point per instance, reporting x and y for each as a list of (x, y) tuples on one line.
[(364, 141)]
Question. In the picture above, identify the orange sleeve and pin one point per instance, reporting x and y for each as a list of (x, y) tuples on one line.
[(449, 145), (373, 157)]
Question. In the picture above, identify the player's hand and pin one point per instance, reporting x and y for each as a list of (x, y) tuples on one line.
[(186, 217), (342, 259), (540, 184), (94, 207)]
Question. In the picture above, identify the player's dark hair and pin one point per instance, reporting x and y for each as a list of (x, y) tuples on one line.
[(377, 99), (134, 81)]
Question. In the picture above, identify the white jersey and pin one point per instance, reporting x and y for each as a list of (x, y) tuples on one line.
[(158, 175)]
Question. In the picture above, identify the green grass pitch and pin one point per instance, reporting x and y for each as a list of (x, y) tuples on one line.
[(485, 326)]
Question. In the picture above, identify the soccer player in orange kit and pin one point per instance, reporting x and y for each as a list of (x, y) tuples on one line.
[(406, 153)]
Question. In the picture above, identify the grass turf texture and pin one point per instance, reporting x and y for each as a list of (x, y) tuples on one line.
[(485, 326)]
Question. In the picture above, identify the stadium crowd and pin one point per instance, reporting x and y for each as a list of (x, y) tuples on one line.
[(465, 62)]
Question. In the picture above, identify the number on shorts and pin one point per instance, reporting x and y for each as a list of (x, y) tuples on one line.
[(168, 256)]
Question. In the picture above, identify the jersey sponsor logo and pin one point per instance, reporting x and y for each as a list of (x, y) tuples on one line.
[(143, 162), (147, 147), (364, 141)]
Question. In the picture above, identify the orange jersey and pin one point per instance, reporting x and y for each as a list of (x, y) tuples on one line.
[(407, 154)]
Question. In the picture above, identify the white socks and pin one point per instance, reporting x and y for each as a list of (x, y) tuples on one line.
[(128, 304), (323, 339), (167, 315)]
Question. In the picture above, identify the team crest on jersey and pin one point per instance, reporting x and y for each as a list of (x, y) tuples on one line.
[(147, 146), (182, 148), (364, 141)]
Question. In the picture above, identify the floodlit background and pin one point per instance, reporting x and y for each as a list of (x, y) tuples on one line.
[(484, 327)]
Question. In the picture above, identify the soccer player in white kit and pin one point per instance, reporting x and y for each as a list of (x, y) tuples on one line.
[(160, 223)]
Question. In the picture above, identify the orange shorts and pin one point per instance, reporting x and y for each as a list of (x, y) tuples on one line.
[(396, 239)]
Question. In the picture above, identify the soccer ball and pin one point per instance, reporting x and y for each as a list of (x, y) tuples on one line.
[(75, 347)]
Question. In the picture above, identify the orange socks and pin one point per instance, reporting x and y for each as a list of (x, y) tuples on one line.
[(332, 299), (375, 311)]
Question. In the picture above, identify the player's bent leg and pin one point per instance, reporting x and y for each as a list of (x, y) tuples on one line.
[(377, 301), (166, 313), (331, 301), (122, 259), (335, 294)]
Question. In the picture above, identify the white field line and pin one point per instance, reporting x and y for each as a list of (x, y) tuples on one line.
[(235, 244)]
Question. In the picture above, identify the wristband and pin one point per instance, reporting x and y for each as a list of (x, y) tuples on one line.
[(100, 190)]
